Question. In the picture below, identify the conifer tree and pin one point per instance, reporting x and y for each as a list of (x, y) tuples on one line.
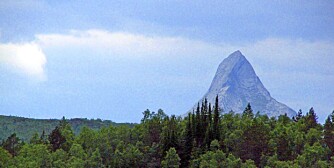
[(311, 119), (173, 132), (203, 123), (216, 118), (329, 135), (193, 124), (298, 116), (210, 114), (248, 111), (198, 132), (208, 133), (13, 144), (188, 143), (205, 115), (56, 139), (210, 127), (169, 138), (254, 141)]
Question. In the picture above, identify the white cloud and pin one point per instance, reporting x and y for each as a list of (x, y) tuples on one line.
[(268, 56), (278, 51), (124, 44), (27, 58)]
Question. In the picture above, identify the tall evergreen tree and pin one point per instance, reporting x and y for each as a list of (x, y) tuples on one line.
[(204, 114), (188, 143), (210, 114), (56, 139), (254, 141), (248, 111), (298, 116), (13, 144), (169, 138), (208, 133), (311, 119), (198, 132), (193, 124), (173, 132), (329, 135), (216, 119)]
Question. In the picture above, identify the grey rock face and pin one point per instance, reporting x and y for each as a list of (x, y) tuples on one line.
[(237, 84)]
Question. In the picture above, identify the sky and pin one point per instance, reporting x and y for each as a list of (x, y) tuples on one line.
[(114, 59)]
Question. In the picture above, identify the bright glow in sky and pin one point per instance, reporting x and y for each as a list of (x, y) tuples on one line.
[(28, 58), (113, 60)]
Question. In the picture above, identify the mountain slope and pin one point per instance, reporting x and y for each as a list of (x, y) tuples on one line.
[(237, 84)]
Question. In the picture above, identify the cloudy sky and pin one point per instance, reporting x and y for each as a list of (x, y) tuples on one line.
[(114, 59)]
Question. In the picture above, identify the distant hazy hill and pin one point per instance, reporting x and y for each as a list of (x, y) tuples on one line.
[(26, 127)]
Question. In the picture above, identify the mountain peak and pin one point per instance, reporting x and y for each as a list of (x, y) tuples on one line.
[(237, 84), (236, 54), (235, 57)]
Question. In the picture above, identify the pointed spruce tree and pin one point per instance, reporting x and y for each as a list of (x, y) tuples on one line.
[(198, 132), (248, 111), (329, 135), (298, 116), (311, 119), (193, 124), (208, 134), (216, 119), (188, 143)]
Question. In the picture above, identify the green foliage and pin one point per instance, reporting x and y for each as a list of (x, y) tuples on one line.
[(95, 159), (59, 158), (5, 158), (311, 155), (201, 139), (214, 146), (171, 160), (19, 125), (33, 156)]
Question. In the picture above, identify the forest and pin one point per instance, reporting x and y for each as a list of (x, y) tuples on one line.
[(206, 137), (19, 125)]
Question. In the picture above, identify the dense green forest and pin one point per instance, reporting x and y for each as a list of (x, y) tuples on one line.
[(25, 128), (207, 137)]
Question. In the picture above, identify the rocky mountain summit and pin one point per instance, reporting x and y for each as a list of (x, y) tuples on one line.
[(237, 84)]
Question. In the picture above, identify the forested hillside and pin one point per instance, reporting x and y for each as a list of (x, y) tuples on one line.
[(25, 128), (205, 138)]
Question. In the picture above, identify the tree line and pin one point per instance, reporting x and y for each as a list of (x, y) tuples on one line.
[(206, 137)]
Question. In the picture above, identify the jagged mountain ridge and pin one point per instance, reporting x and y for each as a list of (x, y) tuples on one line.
[(237, 84)]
